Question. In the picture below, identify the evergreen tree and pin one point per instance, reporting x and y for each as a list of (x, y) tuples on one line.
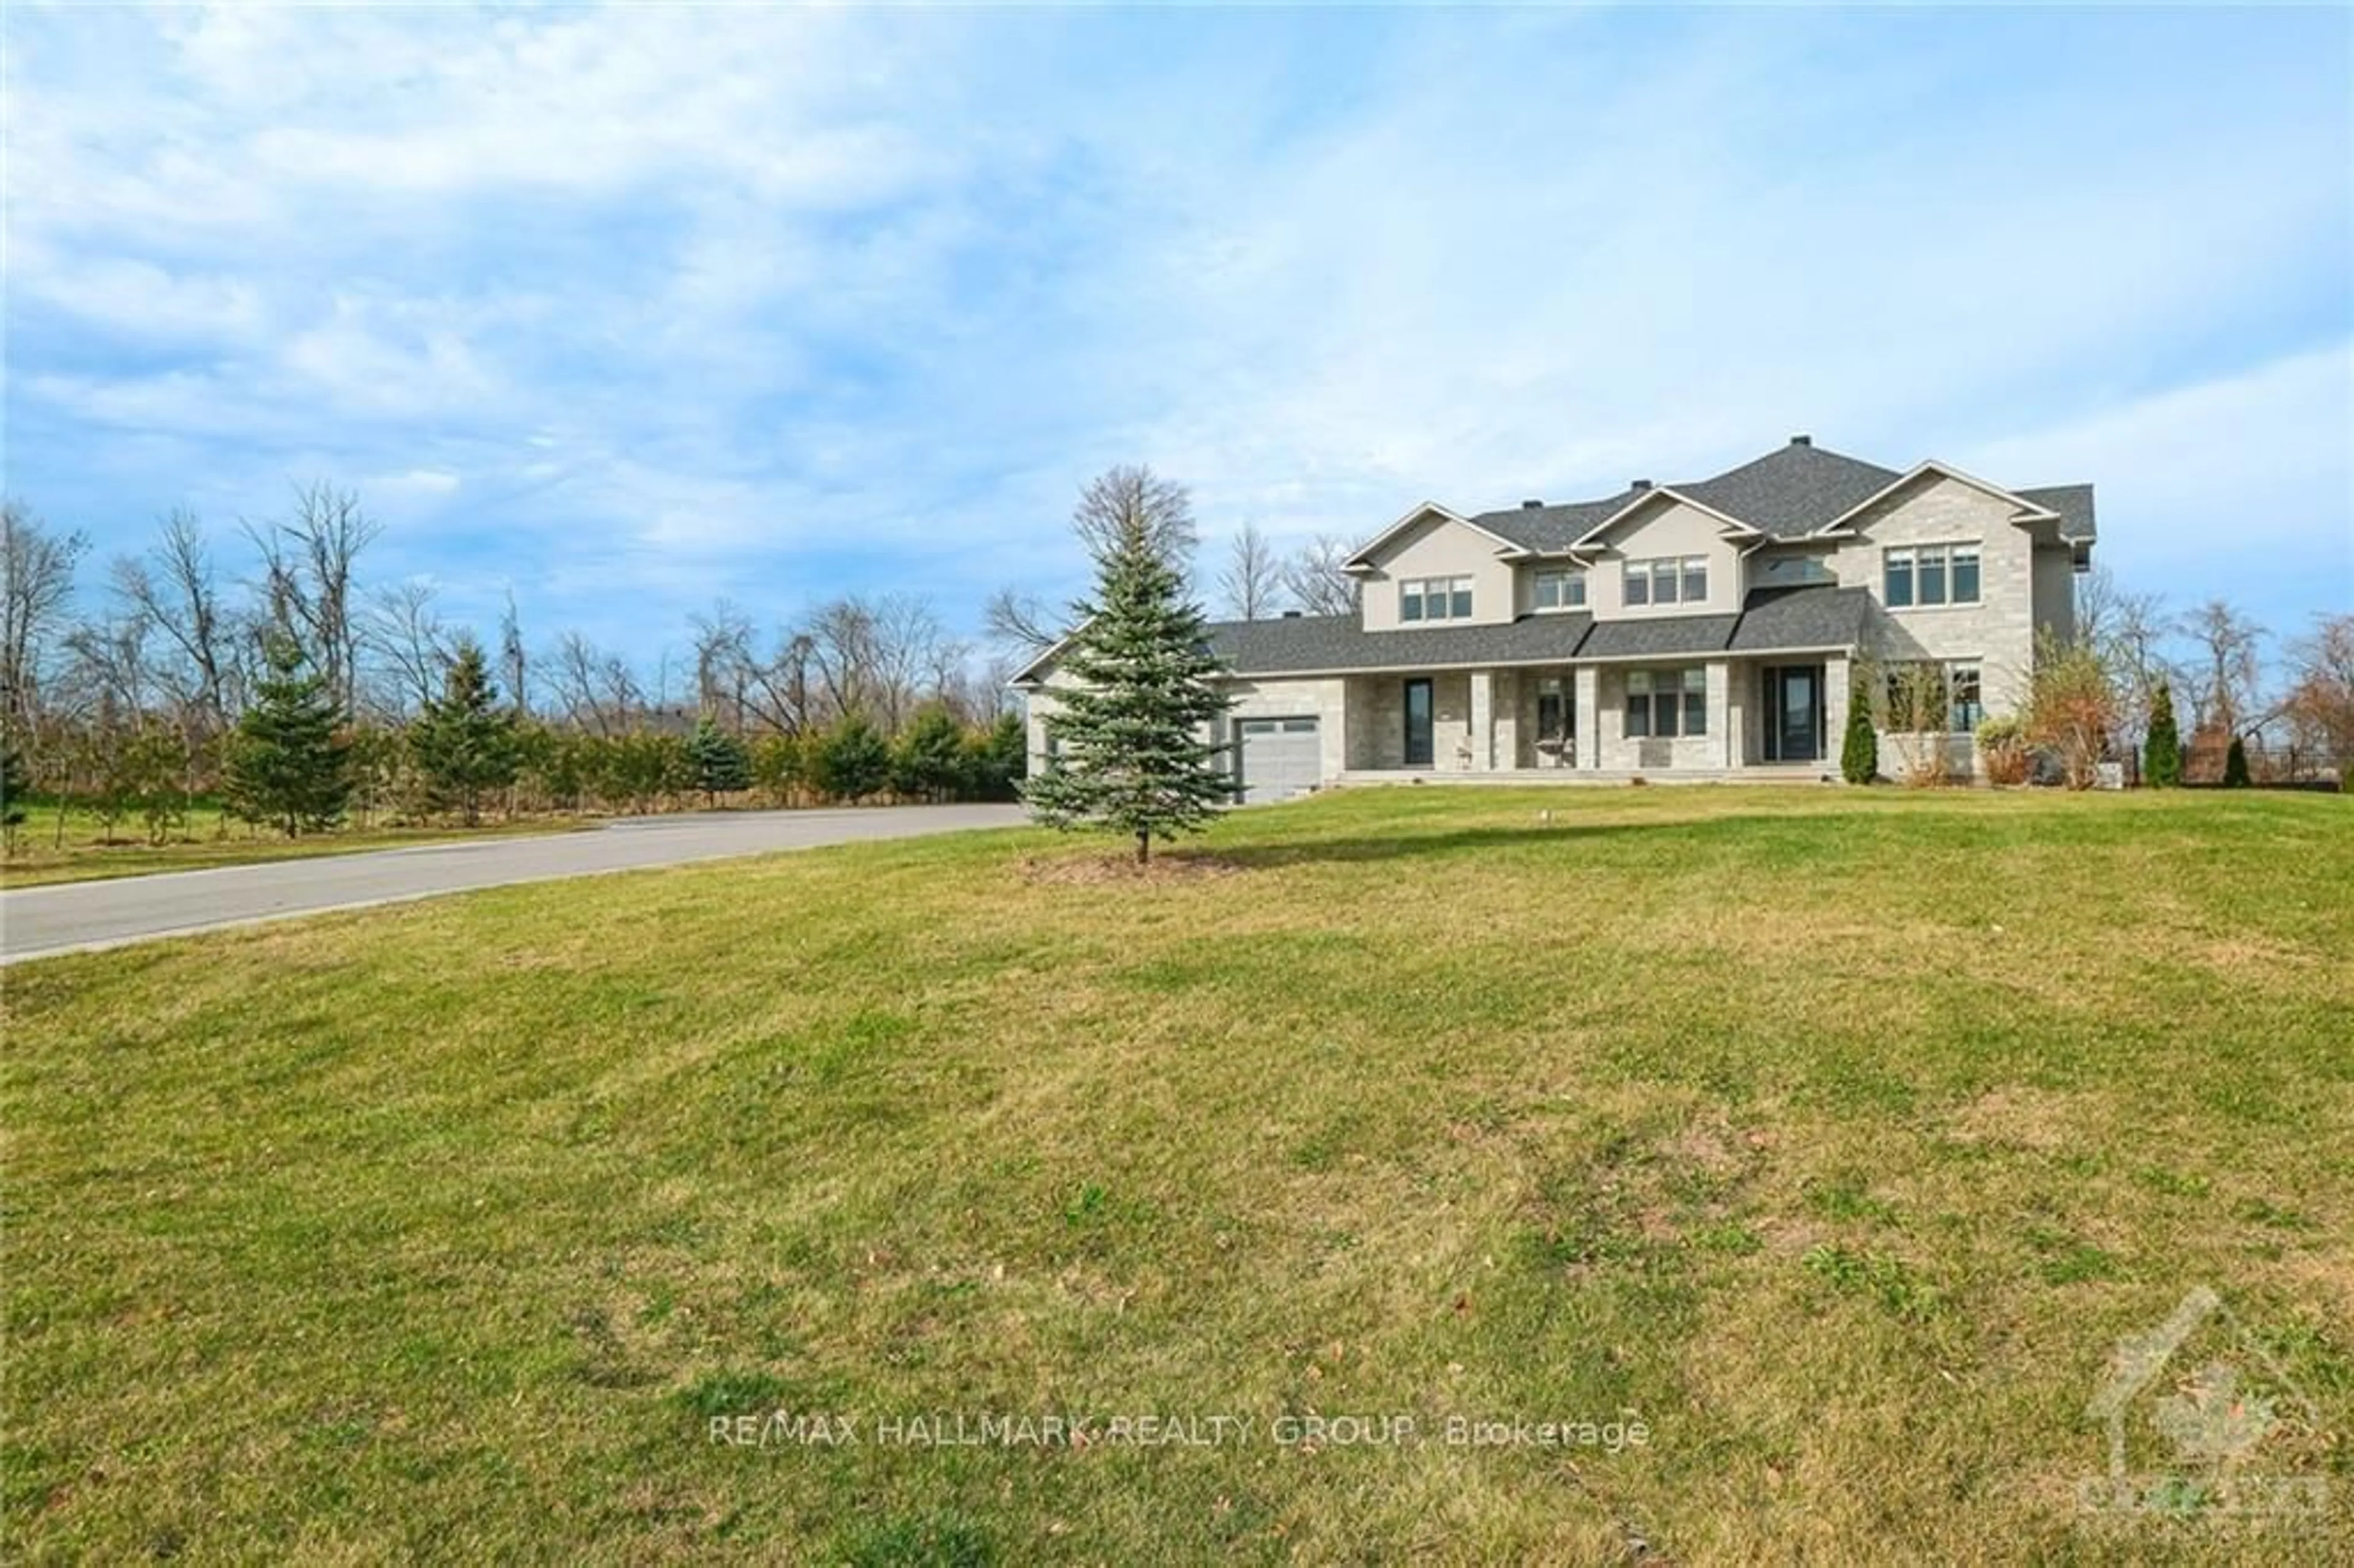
[(1133, 748), (16, 783), (2235, 765), (2161, 753), (464, 743), (852, 762), (929, 758), (997, 758), (286, 764), (720, 764), (1859, 752)]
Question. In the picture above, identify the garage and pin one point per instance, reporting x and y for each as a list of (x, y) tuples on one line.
[(1277, 758)]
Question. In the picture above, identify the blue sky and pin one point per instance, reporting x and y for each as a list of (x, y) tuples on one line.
[(629, 309)]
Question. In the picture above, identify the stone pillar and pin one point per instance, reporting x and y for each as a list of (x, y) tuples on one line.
[(1589, 716), (1720, 711), (1483, 721)]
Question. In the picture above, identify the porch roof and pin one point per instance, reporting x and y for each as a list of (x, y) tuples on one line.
[(1809, 619), (1322, 644)]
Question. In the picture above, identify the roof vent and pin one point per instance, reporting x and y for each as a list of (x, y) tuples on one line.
[(1802, 440), (1531, 505), (1640, 484)]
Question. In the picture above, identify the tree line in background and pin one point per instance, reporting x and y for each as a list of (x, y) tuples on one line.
[(297, 697)]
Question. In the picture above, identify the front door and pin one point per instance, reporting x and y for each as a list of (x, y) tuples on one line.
[(1794, 707), (1417, 723)]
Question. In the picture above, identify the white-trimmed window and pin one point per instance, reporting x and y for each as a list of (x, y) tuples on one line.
[(1434, 599), (1914, 575), (1667, 579), (1664, 704), (1560, 587)]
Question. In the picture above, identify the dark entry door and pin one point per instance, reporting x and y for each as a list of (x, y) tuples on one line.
[(1417, 723), (1793, 700)]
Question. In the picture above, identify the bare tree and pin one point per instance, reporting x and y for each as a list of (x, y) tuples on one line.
[(174, 590), (2226, 665), (1316, 580), (513, 662), (307, 580), (723, 663), (2320, 704), (1129, 501), (37, 585), (411, 644), (1254, 578), (1019, 623)]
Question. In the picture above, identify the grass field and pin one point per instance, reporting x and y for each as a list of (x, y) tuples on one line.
[(1836, 1139), (206, 839)]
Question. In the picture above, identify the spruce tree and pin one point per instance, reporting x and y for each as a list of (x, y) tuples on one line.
[(2235, 765), (1859, 752), (720, 764), (929, 757), (286, 764), (1132, 729), (464, 743), (2161, 753), (853, 761)]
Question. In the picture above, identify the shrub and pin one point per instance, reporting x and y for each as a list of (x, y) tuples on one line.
[(852, 762), (717, 761), (1860, 753), (2235, 765), (2161, 753), (2072, 707), (928, 759), (2003, 749)]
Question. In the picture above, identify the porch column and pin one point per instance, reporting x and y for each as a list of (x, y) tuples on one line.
[(1483, 721), (1589, 716), (1718, 674)]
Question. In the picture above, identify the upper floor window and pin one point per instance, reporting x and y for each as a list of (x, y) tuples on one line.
[(1670, 579), (1929, 574), (1666, 703), (1434, 599), (1562, 588)]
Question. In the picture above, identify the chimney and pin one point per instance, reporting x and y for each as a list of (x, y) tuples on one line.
[(1290, 615), (1531, 505), (1802, 440), (1640, 484)]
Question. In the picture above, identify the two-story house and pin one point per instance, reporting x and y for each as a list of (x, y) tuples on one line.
[(1702, 628)]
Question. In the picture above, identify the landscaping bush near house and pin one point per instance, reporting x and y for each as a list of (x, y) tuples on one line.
[(2003, 751)]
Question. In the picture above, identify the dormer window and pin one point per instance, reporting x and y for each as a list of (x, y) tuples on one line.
[(1434, 599), (1671, 579), (1560, 588)]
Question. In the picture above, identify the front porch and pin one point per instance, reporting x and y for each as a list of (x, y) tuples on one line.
[(1705, 719)]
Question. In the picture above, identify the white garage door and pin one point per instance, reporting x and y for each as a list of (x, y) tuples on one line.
[(1280, 757)]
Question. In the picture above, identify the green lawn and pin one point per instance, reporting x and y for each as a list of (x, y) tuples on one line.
[(1835, 1138), (90, 852)]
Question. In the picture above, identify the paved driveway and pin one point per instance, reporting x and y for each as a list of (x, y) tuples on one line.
[(35, 921)]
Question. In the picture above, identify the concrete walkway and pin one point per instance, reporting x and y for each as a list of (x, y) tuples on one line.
[(80, 915)]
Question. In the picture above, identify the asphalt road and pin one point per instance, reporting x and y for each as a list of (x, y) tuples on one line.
[(74, 917)]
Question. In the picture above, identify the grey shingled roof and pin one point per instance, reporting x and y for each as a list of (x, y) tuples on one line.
[(1802, 617), (1297, 644), (1818, 617), (1658, 637), (1553, 528), (1792, 490), (2075, 505), (1787, 493)]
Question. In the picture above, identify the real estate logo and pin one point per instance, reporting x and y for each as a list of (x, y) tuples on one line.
[(2200, 1419)]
